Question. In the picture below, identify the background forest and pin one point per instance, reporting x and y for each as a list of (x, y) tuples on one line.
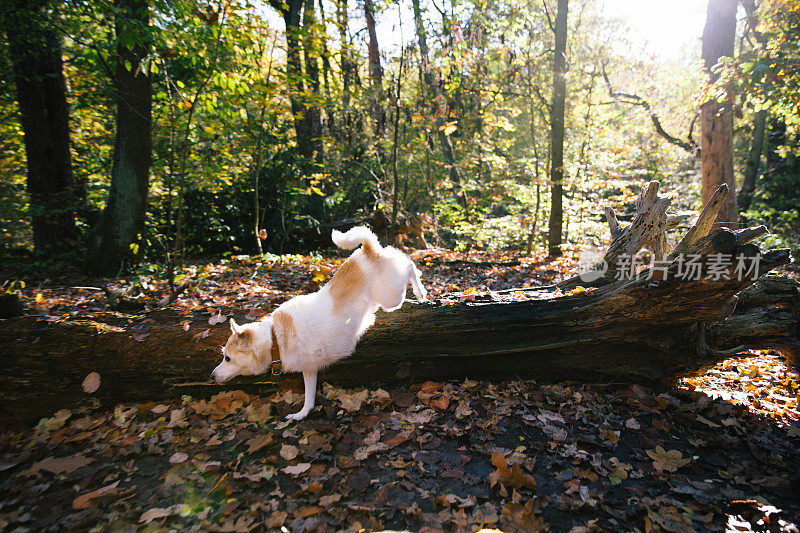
[(166, 130)]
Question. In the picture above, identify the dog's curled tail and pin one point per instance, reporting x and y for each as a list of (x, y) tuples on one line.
[(355, 236)]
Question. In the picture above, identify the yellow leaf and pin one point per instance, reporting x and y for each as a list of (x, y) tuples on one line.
[(448, 128), (39, 298), (469, 292), (321, 274), (577, 291)]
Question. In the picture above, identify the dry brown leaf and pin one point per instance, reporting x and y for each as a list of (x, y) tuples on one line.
[(258, 442), (60, 465), (296, 469), (329, 499), (178, 457), (89, 499), (513, 477), (217, 319), (91, 383), (288, 451), (667, 461)]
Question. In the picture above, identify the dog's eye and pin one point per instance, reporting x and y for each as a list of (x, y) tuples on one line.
[(227, 359)]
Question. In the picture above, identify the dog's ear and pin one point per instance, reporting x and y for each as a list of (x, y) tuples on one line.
[(244, 338), (235, 328)]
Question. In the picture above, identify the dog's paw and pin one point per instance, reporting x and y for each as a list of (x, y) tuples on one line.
[(297, 416)]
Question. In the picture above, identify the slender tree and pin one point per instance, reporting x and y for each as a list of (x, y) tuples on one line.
[(432, 89), (123, 217), (310, 54), (716, 118), (753, 160), (557, 108), (375, 71), (42, 96)]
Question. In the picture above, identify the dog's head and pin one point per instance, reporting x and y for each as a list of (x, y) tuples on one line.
[(247, 351)]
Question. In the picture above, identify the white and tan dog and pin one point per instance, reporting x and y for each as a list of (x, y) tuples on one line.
[(309, 332)]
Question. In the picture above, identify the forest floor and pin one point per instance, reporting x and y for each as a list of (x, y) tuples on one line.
[(720, 450)]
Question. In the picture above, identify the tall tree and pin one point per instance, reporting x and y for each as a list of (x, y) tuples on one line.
[(557, 129), (310, 53), (753, 161), (42, 96), (123, 217), (716, 118), (432, 90), (375, 71)]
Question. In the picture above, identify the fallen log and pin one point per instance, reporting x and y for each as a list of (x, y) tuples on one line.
[(651, 326)]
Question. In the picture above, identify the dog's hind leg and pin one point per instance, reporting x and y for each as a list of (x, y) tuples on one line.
[(416, 283), (310, 381)]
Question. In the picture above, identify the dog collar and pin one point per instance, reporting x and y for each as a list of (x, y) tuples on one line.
[(275, 355)]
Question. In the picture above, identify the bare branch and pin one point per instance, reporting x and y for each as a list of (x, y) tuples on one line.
[(635, 99)]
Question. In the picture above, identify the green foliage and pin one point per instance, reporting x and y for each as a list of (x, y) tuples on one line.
[(224, 136)]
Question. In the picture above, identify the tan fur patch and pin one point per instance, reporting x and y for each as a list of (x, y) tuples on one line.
[(369, 251), (348, 279), (245, 338), (283, 325)]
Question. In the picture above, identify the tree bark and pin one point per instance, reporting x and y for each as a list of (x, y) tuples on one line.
[(745, 196), (35, 50), (716, 118), (123, 218), (314, 113), (435, 96), (291, 11), (557, 109), (375, 72)]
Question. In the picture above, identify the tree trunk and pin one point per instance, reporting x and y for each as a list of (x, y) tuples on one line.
[(557, 130), (313, 113), (123, 219), (42, 96), (433, 93), (375, 72), (642, 328), (745, 196), (290, 11), (716, 118)]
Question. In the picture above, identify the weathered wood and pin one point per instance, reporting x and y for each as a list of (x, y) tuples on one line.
[(648, 230)]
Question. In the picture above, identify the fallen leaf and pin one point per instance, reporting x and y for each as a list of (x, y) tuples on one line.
[(352, 402), (667, 461), (258, 442), (91, 383), (57, 420), (441, 403), (84, 501), (321, 274), (296, 469), (513, 477), (177, 418), (217, 319), (202, 334), (178, 457), (60, 465), (671, 519), (288, 451), (329, 499), (160, 408), (158, 512)]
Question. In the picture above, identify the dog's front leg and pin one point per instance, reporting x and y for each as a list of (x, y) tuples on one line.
[(310, 381)]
